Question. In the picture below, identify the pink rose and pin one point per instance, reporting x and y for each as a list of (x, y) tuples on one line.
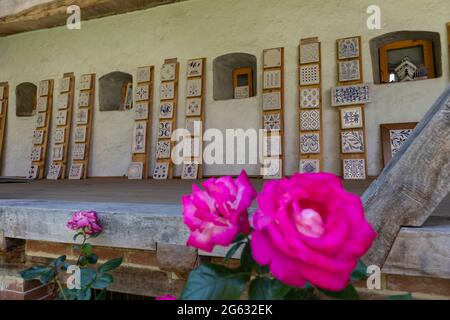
[(308, 228), (85, 220), (167, 297), (217, 214)]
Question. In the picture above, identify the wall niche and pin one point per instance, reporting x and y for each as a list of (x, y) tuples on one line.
[(116, 91), (234, 76), (26, 99), (406, 56)]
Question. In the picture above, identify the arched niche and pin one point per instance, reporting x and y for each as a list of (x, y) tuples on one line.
[(25, 99), (115, 89)]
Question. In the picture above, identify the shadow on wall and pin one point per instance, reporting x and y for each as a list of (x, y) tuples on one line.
[(114, 91), (26, 99)]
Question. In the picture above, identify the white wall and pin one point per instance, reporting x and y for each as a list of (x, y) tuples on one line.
[(210, 28)]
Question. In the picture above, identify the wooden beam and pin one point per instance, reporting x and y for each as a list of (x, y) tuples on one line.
[(414, 182)]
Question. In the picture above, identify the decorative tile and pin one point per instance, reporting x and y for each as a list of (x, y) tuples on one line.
[(194, 88), (84, 99), (61, 118), (163, 150), (272, 58), (195, 68), (310, 98), (140, 137), (351, 118), (272, 168), (78, 151), (193, 107), (166, 110), (349, 71), (44, 88), (64, 85), (85, 82), (242, 92), (55, 172), (36, 153), (192, 147), (398, 138), (58, 153), (135, 171), (41, 120), (309, 75), (59, 136), (310, 120), (167, 91), (272, 79), (190, 171), (143, 74), (33, 172), (165, 130), (38, 137), (354, 169), (272, 122), (63, 101), (80, 134), (352, 141), (309, 53), (272, 146), (350, 95), (141, 111), (348, 48), (42, 104), (310, 143), (194, 126), (168, 72), (310, 166), (82, 116), (272, 101), (76, 171), (142, 92), (161, 171)]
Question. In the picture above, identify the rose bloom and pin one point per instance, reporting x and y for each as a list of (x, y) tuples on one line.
[(167, 297), (85, 220), (217, 214), (308, 228)]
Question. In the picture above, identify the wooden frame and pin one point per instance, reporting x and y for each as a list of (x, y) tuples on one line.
[(173, 119), (319, 156), (243, 72), (279, 159), (198, 161), (90, 119), (385, 130), (144, 158), (4, 103), (428, 58), (41, 164), (344, 157), (68, 126)]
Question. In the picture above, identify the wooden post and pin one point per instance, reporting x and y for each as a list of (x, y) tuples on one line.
[(414, 182)]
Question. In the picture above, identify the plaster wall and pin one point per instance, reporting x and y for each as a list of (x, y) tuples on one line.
[(210, 28)]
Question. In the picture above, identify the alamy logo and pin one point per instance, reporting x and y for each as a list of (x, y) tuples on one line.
[(74, 20), (374, 20)]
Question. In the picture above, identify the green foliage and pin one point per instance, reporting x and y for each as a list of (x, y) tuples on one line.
[(360, 272), (267, 289), (401, 297), (348, 293)]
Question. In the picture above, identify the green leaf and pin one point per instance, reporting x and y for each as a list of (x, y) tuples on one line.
[(85, 294), (401, 297), (240, 238), (348, 293), (213, 282), (360, 272), (101, 295), (103, 281), (87, 277), (247, 262), (33, 272), (301, 294), (92, 258), (86, 249), (94, 235), (47, 276), (59, 263), (267, 289), (83, 261), (233, 250), (110, 265)]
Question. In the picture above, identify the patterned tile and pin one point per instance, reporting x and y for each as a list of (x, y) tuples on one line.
[(41, 120), (80, 134), (59, 136), (195, 68), (272, 122), (348, 48), (64, 85), (309, 53), (272, 101), (38, 137), (76, 171), (194, 88), (135, 171), (141, 111), (63, 101), (272, 58), (55, 172), (163, 150), (398, 138), (309, 75), (190, 171), (42, 104), (78, 151), (193, 107), (310, 143), (140, 137), (161, 171), (168, 72), (33, 172), (36, 153), (192, 147), (194, 126), (167, 91), (349, 71), (58, 153), (143, 74), (272, 168), (166, 110), (84, 99), (310, 98), (350, 95), (82, 116), (354, 169), (310, 166), (242, 92), (351, 118), (85, 82), (165, 130), (44, 88), (272, 79), (310, 120), (142, 92), (352, 141), (272, 146)]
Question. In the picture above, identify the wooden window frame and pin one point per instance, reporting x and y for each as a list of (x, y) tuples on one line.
[(428, 58), (244, 71)]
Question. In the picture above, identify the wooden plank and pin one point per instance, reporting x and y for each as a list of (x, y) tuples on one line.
[(414, 182), (4, 103)]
